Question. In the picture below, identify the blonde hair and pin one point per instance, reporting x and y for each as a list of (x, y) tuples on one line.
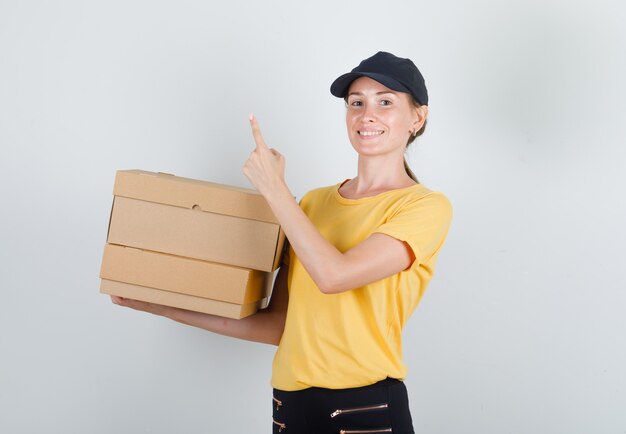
[(412, 137)]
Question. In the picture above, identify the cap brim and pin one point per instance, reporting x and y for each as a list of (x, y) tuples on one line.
[(340, 86)]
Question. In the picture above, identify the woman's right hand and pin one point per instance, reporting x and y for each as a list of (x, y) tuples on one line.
[(156, 309)]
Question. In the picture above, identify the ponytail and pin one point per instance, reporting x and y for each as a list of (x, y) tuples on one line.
[(410, 172), (411, 138)]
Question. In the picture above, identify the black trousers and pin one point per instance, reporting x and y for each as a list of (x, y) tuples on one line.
[(382, 407)]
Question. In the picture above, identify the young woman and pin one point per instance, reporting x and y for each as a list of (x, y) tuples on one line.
[(361, 254)]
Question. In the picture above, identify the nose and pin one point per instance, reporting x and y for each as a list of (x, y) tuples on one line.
[(369, 113)]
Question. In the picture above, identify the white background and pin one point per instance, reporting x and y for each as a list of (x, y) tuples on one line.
[(523, 327)]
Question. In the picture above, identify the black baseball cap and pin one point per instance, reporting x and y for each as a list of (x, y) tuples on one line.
[(394, 72)]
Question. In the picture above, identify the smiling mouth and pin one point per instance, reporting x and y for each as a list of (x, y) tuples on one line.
[(370, 133)]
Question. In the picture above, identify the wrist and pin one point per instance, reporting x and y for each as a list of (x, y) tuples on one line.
[(277, 194)]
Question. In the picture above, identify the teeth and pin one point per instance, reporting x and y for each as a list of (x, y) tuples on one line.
[(370, 133)]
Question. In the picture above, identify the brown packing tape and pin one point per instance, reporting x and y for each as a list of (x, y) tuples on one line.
[(184, 275), (182, 301)]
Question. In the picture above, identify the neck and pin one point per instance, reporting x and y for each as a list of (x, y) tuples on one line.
[(380, 174)]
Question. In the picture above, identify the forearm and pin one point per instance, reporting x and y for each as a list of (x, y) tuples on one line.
[(266, 326), (328, 267)]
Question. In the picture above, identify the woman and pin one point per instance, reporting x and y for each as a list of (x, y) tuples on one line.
[(361, 254)]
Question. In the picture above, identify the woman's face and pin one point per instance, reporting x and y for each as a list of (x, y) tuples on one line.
[(379, 119)]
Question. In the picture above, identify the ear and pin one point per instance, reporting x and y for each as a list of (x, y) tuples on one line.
[(421, 113)]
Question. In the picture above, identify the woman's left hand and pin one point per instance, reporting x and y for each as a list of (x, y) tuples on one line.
[(265, 168)]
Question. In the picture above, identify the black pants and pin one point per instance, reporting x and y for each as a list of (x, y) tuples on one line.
[(382, 407)]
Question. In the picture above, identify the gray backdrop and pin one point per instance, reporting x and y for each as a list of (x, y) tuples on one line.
[(522, 329)]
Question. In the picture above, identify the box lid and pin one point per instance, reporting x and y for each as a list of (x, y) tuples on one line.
[(192, 193)]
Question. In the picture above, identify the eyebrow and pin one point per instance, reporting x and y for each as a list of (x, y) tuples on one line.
[(383, 92)]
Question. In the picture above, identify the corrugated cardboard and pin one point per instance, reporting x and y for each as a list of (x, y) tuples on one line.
[(184, 275), (190, 244), (195, 219), (183, 301), (186, 193)]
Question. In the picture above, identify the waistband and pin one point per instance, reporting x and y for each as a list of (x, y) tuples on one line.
[(386, 382)]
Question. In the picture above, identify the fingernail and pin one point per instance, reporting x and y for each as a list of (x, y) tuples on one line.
[(251, 117)]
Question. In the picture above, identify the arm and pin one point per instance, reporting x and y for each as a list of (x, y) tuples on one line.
[(331, 270), (266, 326)]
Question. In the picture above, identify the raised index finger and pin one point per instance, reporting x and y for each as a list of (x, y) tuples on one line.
[(256, 133)]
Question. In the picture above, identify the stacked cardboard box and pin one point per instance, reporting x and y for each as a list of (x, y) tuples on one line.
[(191, 244)]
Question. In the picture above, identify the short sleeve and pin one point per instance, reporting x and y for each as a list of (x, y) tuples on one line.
[(422, 223)]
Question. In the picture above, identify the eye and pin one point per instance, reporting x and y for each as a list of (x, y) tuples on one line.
[(356, 103), (385, 102)]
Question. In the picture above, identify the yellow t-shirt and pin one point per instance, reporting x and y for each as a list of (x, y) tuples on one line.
[(354, 338)]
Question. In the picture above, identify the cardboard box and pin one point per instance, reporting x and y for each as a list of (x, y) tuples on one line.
[(195, 219), (183, 301), (190, 244), (184, 276)]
